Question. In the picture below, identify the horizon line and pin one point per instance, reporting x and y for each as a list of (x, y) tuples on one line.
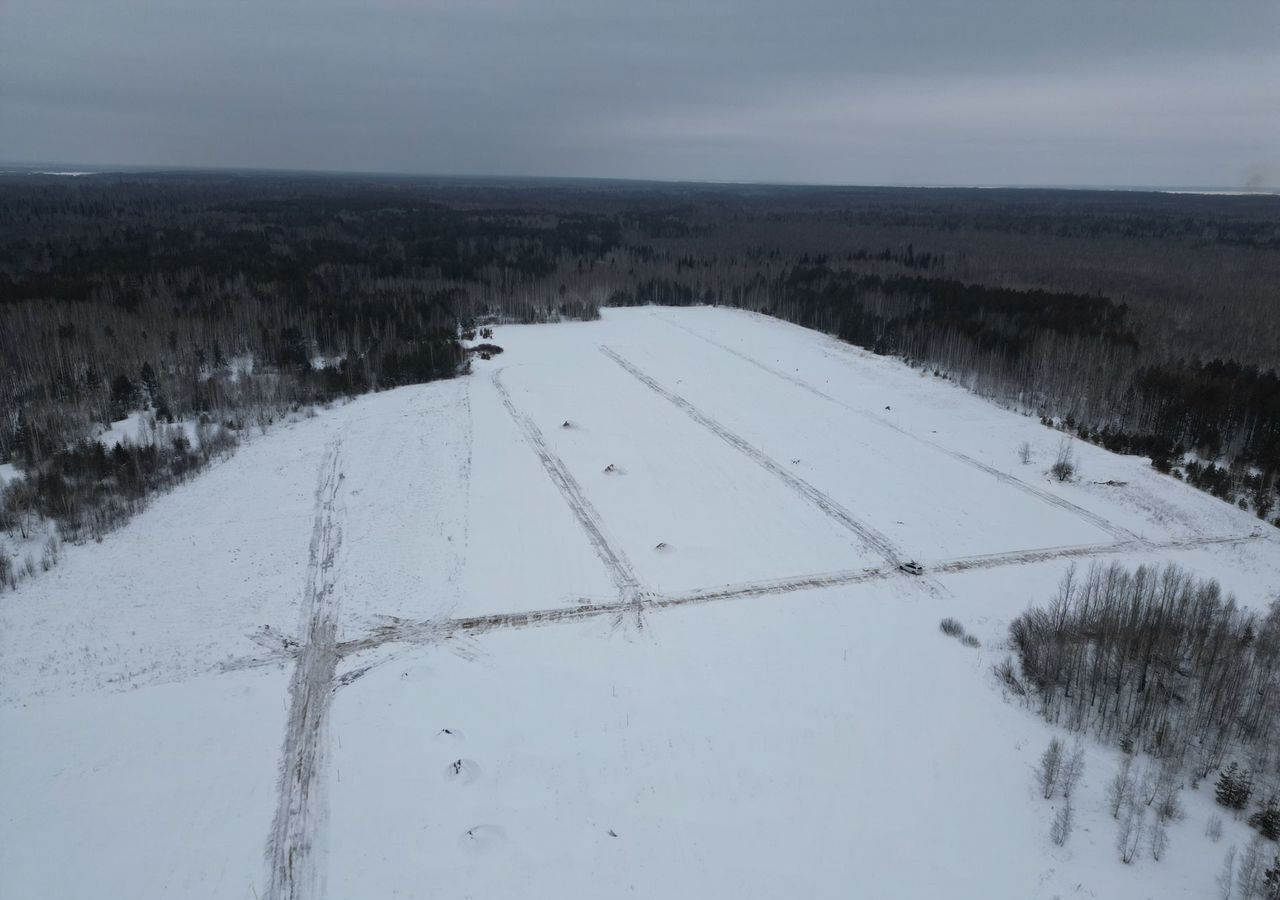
[(91, 169)]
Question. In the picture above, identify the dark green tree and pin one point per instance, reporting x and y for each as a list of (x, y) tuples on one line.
[(1271, 881), (1267, 820), (123, 396), (1232, 790)]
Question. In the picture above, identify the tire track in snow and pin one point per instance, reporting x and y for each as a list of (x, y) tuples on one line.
[(1019, 557), (432, 632), (457, 560), (615, 561), (298, 830), (1118, 532), (1137, 545), (775, 586), (438, 631), (465, 473), (869, 536)]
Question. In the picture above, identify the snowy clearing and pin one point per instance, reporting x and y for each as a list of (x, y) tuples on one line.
[(618, 614)]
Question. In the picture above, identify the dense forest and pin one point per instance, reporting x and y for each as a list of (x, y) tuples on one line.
[(1146, 322)]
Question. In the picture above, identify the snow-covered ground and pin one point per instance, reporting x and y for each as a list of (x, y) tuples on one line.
[(429, 644), (141, 429)]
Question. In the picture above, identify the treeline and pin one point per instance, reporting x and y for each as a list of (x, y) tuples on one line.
[(1160, 662), (1146, 322), (181, 294), (89, 489)]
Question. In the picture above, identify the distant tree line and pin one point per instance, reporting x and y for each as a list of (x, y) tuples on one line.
[(1145, 322)]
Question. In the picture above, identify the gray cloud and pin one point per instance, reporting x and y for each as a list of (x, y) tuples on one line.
[(924, 91)]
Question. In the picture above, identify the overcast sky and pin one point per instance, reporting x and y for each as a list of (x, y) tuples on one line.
[(1099, 92)]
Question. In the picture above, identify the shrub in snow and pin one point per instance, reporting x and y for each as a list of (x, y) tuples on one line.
[(1073, 769), (1227, 875), (1050, 768), (1120, 790), (1005, 672), (1250, 872), (1168, 804), (1159, 840), (49, 558), (953, 628), (486, 351), (1133, 827), (1064, 467), (1062, 824)]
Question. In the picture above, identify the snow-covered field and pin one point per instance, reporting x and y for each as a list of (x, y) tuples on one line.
[(438, 643)]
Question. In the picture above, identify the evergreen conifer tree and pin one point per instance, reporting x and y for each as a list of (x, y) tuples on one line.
[(1267, 821), (1244, 790), (1226, 788), (1271, 881)]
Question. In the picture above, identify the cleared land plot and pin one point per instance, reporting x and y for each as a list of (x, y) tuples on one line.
[(773, 713), (721, 517), (738, 750), (940, 411), (809, 745), (438, 490), (928, 503)]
